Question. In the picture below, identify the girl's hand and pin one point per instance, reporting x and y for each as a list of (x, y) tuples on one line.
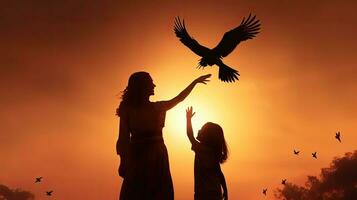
[(203, 79), (189, 113)]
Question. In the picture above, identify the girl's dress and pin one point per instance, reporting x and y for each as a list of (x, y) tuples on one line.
[(206, 171)]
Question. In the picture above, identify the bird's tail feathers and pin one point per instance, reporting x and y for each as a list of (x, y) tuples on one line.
[(199, 66), (227, 74)]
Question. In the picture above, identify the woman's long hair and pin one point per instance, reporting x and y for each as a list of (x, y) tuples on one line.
[(212, 136), (134, 93)]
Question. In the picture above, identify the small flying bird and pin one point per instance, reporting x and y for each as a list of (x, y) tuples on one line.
[(283, 181), (247, 29), (314, 155), (49, 193), (38, 179), (296, 152), (338, 136), (265, 191)]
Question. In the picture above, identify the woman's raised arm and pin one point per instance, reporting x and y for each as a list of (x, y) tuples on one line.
[(180, 97)]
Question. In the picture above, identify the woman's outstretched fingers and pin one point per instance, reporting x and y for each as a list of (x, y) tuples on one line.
[(203, 79), (207, 75)]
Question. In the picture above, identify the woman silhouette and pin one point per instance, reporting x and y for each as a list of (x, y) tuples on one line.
[(144, 162)]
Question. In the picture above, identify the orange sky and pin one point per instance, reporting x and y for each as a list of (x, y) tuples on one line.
[(62, 65)]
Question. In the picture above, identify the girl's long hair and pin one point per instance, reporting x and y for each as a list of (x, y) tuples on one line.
[(134, 93), (212, 136)]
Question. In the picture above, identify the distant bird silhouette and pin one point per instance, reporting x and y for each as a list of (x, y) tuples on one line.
[(247, 29), (49, 193), (314, 155), (265, 191), (338, 136), (296, 152), (38, 179), (283, 181)]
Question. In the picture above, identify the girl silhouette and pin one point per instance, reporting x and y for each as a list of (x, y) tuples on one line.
[(210, 151), (144, 162)]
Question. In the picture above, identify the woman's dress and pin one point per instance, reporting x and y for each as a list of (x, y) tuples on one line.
[(146, 172)]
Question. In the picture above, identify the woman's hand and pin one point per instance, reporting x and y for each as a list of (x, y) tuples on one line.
[(202, 79), (122, 166), (189, 113), (225, 195)]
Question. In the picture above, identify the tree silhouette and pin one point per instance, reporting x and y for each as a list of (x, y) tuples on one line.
[(337, 182), (8, 194)]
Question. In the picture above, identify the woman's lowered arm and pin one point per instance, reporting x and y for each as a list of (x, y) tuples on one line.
[(122, 145), (124, 136)]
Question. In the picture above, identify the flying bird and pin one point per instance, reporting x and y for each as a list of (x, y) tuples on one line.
[(49, 193), (38, 179), (247, 29), (265, 191), (314, 155), (296, 152), (338, 136), (283, 181)]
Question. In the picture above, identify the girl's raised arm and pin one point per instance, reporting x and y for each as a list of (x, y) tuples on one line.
[(189, 115)]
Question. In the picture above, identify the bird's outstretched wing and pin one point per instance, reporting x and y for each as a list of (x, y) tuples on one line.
[(186, 39), (247, 29)]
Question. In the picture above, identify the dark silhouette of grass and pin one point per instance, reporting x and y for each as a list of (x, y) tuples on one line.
[(337, 182), (9, 194)]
